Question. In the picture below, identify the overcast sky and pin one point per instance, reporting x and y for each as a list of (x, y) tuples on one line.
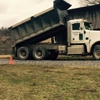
[(13, 11)]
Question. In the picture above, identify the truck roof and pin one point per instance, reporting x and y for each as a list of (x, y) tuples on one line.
[(78, 20)]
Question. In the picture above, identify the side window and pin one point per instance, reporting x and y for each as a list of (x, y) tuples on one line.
[(76, 26)]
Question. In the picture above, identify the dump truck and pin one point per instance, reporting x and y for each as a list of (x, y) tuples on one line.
[(68, 37)]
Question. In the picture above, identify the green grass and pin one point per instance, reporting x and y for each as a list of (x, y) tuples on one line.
[(28, 82)]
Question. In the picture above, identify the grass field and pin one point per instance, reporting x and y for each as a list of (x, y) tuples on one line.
[(28, 82)]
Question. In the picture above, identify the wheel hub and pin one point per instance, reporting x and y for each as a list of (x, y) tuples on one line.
[(98, 52), (39, 53), (23, 53)]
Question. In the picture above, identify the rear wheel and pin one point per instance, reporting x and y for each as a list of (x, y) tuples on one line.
[(96, 52), (39, 53), (23, 53)]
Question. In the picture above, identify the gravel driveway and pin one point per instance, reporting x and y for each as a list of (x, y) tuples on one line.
[(91, 63)]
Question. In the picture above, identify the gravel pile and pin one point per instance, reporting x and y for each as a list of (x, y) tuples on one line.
[(91, 63)]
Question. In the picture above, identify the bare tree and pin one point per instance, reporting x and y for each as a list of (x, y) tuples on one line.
[(4, 34), (89, 2)]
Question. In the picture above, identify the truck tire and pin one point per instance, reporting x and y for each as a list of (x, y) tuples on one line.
[(53, 55), (23, 53), (96, 52), (39, 53)]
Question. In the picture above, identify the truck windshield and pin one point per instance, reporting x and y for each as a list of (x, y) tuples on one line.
[(87, 26)]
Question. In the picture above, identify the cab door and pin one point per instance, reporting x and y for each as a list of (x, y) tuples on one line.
[(77, 33), (87, 32), (87, 39)]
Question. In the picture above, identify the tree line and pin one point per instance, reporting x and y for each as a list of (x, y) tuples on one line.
[(4, 35), (4, 32)]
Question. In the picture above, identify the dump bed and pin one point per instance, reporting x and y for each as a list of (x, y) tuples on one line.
[(40, 26)]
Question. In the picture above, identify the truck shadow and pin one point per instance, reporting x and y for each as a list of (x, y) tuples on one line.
[(66, 59), (75, 58)]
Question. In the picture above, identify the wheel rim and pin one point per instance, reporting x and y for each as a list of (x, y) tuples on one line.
[(23, 53), (38, 54), (98, 52)]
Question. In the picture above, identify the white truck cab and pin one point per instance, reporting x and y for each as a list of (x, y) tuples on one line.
[(81, 35)]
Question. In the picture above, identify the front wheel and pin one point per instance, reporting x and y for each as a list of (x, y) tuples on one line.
[(96, 52)]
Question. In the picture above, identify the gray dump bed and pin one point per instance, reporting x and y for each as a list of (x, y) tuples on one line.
[(40, 26)]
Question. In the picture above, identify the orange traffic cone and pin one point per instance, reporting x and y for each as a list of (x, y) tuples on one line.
[(11, 61)]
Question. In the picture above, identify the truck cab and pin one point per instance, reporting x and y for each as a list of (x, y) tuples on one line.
[(78, 31), (81, 35)]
